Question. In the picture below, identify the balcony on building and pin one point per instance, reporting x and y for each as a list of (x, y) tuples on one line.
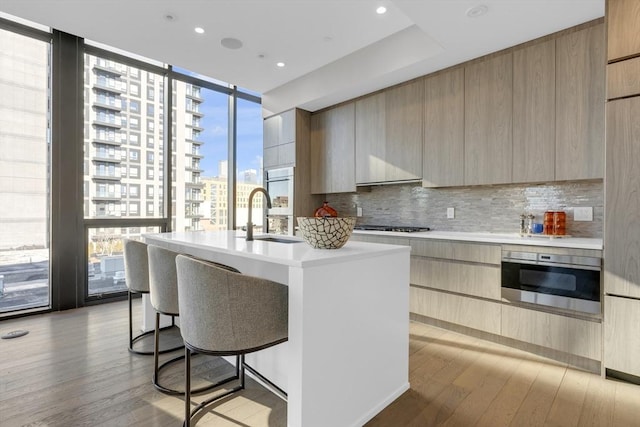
[(193, 92), (107, 66)]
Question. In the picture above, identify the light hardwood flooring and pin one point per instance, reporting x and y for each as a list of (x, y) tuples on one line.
[(73, 369)]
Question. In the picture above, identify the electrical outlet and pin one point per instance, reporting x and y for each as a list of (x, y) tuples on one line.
[(358, 211), (451, 213), (583, 214)]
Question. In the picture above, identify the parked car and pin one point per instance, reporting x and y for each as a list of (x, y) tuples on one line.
[(118, 278)]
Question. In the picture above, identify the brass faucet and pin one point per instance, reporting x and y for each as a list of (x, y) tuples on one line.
[(250, 205)]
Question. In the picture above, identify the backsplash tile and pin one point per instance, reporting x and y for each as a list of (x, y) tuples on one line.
[(492, 208)]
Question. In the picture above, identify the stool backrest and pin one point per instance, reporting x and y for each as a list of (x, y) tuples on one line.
[(163, 282), (225, 312), (136, 266)]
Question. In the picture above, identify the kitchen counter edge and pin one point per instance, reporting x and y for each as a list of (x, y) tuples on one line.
[(499, 238)]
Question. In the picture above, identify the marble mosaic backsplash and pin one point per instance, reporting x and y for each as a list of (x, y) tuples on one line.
[(492, 208)]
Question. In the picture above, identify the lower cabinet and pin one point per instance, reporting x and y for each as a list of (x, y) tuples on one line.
[(622, 334), (469, 279), (580, 337), (471, 312)]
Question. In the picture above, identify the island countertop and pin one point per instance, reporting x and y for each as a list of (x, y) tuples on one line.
[(298, 254)]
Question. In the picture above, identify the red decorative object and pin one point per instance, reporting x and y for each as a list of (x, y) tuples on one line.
[(324, 211)]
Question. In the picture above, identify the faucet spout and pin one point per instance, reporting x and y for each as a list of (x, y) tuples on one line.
[(250, 204)]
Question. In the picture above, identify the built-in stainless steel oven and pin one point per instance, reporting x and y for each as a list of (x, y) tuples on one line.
[(279, 185), (562, 281)]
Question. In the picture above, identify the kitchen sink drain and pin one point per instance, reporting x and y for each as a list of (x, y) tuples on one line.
[(14, 334)]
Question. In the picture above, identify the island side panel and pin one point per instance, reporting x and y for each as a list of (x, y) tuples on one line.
[(348, 339)]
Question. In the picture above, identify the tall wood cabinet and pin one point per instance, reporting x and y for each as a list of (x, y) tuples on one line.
[(443, 155), (333, 150), (622, 201), (580, 83), (488, 121), (534, 113), (389, 135), (622, 196)]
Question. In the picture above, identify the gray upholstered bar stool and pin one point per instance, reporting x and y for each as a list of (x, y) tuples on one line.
[(136, 273), (227, 314), (163, 287)]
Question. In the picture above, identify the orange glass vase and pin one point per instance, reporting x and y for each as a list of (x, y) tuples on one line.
[(325, 210)]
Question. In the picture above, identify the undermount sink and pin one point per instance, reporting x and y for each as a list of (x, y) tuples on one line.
[(275, 239)]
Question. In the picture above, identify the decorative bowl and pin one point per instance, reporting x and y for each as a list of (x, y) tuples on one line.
[(326, 232)]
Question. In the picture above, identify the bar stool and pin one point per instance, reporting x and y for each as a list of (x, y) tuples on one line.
[(136, 273), (163, 287), (227, 314)]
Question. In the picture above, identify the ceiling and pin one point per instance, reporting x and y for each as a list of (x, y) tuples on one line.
[(333, 50)]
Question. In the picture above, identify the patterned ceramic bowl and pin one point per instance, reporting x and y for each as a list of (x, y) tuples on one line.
[(327, 232)]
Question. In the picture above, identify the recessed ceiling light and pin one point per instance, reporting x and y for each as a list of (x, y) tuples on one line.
[(199, 30), (170, 17), (280, 64), (476, 11), (381, 10), (231, 43)]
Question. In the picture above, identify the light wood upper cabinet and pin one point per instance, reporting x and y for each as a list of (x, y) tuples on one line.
[(580, 98), (389, 135), (279, 134), (443, 150), (622, 200), (333, 150), (534, 115), (623, 20), (488, 121), (370, 138)]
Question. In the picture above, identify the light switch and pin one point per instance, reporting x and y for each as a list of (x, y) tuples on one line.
[(583, 214), (358, 211), (451, 213)]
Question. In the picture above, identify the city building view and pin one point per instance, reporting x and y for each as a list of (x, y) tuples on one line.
[(125, 164)]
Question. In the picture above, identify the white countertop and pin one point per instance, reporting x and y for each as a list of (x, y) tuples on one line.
[(502, 238), (292, 254)]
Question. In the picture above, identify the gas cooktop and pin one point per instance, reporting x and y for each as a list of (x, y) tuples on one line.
[(396, 228)]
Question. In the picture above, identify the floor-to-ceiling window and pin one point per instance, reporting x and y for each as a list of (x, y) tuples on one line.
[(124, 168), (249, 173), (200, 156), (24, 172)]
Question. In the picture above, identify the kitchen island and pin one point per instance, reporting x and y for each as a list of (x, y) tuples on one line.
[(347, 354)]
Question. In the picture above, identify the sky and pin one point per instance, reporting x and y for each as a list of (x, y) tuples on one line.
[(216, 129)]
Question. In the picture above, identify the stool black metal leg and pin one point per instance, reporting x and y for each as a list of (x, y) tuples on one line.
[(187, 386)]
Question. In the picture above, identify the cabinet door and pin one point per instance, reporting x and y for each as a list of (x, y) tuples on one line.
[(462, 278), (473, 313), (622, 199), (623, 21), (570, 335), (443, 149), (389, 135), (271, 131), (370, 139), (622, 335), (333, 150), (580, 82), (534, 113), (288, 127), (488, 121), (623, 78), (403, 123)]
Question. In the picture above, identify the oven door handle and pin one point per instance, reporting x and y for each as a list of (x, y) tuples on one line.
[(569, 266), (279, 180)]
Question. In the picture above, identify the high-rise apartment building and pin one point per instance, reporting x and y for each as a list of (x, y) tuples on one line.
[(125, 148)]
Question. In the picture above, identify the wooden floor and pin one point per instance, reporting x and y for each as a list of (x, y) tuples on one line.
[(73, 369)]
